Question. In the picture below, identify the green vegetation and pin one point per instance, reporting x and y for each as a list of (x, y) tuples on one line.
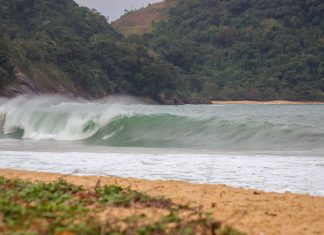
[(62, 208), (62, 46), (245, 49), (6, 69), (214, 49)]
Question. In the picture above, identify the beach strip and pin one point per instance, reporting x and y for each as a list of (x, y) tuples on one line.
[(250, 211), (273, 102)]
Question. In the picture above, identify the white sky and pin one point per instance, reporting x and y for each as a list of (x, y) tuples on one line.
[(114, 8)]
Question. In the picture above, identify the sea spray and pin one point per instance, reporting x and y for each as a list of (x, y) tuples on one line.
[(123, 122), (56, 117), (268, 147)]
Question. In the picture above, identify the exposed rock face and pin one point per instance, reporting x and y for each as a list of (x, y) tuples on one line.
[(22, 85), (167, 100), (177, 101)]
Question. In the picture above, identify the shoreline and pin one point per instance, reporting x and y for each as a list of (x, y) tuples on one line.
[(273, 102), (251, 211)]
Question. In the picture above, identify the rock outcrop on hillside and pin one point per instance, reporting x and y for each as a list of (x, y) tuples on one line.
[(59, 47)]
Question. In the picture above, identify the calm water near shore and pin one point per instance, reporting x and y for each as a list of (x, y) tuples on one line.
[(268, 147)]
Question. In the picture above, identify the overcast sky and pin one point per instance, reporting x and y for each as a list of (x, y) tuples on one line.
[(115, 8)]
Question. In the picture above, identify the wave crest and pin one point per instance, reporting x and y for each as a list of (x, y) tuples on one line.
[(114, 124)]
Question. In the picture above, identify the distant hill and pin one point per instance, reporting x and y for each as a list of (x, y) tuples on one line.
[(197, 50), (55, 46), (140, 21), (241, 49)]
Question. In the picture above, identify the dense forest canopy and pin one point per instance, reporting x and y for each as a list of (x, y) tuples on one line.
[(212, 49), (61, 45), (245, 49)]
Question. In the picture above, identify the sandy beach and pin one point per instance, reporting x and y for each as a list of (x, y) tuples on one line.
[(251, 211), (274, 102)]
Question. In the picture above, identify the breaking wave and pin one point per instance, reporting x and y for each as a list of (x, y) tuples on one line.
[(119, 123)]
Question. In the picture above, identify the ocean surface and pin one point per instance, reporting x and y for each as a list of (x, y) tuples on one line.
[(269, 147)]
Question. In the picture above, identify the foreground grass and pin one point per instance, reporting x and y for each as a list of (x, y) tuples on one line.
[(66, 209)]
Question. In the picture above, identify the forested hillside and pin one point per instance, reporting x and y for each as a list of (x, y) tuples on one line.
[(64, 48), (140, 21), (245, 49), (205, 49)]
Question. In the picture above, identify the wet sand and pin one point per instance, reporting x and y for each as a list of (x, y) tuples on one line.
[(275, 102), (251, 211)]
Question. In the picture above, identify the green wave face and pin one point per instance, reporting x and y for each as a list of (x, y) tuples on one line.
[(166, 130), (195, 127)]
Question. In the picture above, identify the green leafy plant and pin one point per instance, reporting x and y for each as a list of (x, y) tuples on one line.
[(62, 208)]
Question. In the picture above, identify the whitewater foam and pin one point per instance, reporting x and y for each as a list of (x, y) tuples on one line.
[(298, 174), (287, 128), (275, 148)]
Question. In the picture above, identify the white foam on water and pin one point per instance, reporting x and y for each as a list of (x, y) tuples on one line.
[(273, 148), (298, 174)]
